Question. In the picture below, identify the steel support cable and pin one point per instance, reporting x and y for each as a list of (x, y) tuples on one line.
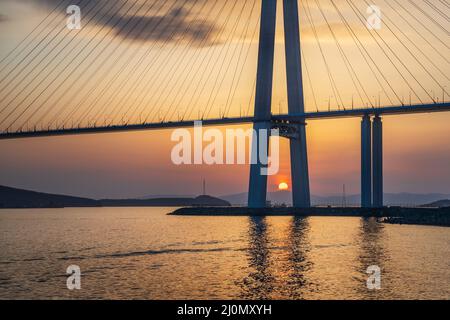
[(196, 96), (229, 64), (246, 59), (29, 35), (188, 110), (411, 53), (210, 55), (429, 17), (333, 85), (357, 13), (108, 12), (362, 49), (168, 56), (38, 74), (309, 78), (148, 51), (89, 109), (220, 84), (252, 95), (105, 60), (164, 84), (111, 18), (189, 68), (345, 59), (174, 67), (243, 66), (445, 3), (32, 50), (422, 24), (417, 32), (43, 68), (227, 46), (400, 60), (438, 10), (86, 96), (26, 65), (108, 70), (334, 88), (239, 63), (186, 78), (160, 66), (144, 72), (47, 76)]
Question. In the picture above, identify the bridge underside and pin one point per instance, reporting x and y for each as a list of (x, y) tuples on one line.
[(284, 118)]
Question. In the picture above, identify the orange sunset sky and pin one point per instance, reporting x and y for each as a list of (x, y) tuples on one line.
[(416, 147)]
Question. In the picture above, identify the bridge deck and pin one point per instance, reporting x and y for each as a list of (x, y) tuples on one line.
[(393, 110)]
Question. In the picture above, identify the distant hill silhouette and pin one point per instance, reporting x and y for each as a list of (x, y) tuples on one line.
[(164, 196), (167, 202), (438, 204), (19, 198)]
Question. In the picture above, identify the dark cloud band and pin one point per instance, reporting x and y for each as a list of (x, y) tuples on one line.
[(166, 26)]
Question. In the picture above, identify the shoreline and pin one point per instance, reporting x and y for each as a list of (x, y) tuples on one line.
[(391, 215)]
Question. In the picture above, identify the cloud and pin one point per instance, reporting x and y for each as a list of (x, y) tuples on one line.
[(171, 25)]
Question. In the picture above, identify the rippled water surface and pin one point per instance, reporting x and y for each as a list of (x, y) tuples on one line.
[(141, 253)]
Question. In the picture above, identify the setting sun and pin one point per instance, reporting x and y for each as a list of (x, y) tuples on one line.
[(283, 186)]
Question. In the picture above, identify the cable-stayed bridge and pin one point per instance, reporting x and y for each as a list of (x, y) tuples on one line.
[(154, 64), (279, 118)]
